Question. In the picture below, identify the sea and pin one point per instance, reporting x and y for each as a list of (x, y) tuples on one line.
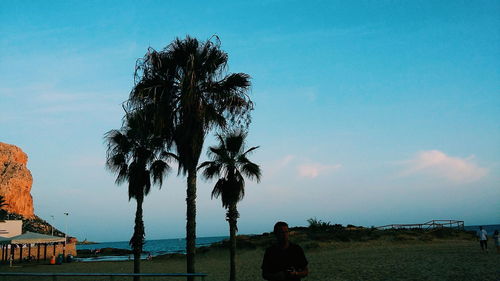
[(153, 247), (490, 228), (178, 245)]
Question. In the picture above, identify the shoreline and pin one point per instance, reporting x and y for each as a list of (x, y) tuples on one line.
[(436, 260)]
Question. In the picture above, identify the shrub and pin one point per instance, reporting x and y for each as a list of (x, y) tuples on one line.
[(315, 223), (443, 232)]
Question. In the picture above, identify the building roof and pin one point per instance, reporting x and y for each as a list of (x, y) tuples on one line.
[(31, 238)]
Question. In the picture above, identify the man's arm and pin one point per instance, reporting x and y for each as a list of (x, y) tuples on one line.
[(281, 275), (301, 273)]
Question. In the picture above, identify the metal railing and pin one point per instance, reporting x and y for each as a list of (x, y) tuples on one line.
[(428, 225), (110, 275)]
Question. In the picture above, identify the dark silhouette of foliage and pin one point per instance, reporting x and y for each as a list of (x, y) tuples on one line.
[(137, 157), (316, 224), (186, 92), (230, 164)]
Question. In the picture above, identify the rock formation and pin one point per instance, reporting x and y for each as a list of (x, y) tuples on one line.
[(15, 181)]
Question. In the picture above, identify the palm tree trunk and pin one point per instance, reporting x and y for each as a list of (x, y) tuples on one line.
[(191, 221), (232, 216), (138, 238)]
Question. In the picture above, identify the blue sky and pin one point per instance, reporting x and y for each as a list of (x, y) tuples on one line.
[(367, 112)]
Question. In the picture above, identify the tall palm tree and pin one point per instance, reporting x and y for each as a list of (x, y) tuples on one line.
[(229, 162), (186, 91), (137, 157)]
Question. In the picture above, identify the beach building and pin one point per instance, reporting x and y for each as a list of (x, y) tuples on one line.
[(31, 246)]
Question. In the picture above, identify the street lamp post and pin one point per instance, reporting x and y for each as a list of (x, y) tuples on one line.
[(66, 226), (52, 225), (65, 234)]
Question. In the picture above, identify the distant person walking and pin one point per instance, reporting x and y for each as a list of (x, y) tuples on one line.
[(496, 238), (483, 238), (284, 261)]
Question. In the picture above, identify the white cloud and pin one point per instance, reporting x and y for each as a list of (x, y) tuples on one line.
[(437, 164), (314, 170), (277, 166), (298, 165)]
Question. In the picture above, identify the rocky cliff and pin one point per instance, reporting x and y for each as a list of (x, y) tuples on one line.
[(15, 181)]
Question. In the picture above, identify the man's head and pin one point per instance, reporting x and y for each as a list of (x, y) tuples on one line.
[(281, 232)]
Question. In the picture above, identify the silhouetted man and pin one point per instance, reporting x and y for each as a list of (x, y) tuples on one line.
[(284, 261)]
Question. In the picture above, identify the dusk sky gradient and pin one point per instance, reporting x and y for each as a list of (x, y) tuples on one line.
[(366, 112)]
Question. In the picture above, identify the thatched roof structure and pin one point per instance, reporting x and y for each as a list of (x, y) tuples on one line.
[(31, 238)]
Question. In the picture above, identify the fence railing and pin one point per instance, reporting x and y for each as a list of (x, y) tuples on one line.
[(112, 276), (428, 225)]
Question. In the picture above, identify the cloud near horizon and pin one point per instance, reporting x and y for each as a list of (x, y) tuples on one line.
[(314, 170), (437, 164), (304, 168)]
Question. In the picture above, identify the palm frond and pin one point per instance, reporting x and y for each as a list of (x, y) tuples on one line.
[(147, 182), (122, 174), (235, 142), (218, 188), (230, 164), (212, 169), (250, 150), (230, 191), (159, 168), (168, 155), (251, 170)]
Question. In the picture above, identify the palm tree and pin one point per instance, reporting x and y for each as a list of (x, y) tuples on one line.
[(230, 164), (137, 157), (186, 92)]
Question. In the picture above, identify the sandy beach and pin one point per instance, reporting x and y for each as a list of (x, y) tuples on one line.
[(375, 260)]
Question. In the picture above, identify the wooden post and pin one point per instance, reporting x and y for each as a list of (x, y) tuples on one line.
[(45, 252), (38, 253), (29, 251), (20, 252), (11, 257), (54, 247), (12, 253)]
